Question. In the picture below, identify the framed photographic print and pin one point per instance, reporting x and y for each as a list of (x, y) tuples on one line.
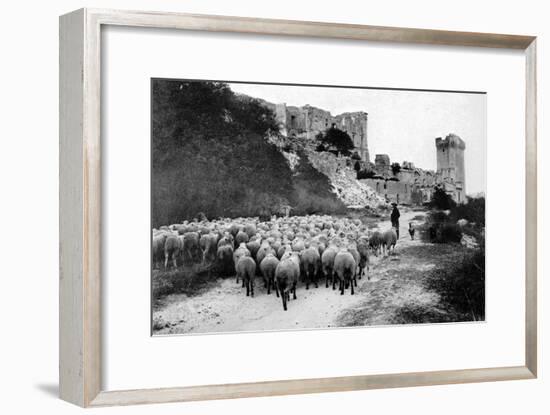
[(288, 193)]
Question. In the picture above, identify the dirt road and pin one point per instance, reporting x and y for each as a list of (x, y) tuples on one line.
[(394, 294)]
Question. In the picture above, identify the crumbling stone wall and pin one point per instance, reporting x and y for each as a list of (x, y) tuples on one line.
[(411, 185), (308, 121)]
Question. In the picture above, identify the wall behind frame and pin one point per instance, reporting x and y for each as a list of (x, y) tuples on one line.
[(28, 167)]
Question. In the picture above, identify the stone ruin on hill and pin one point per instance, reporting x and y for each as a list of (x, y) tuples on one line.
[(380, 181)]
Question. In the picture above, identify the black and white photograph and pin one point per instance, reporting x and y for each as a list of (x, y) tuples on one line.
[(295, 207)]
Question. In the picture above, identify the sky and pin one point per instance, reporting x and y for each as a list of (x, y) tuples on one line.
[(402, 124)]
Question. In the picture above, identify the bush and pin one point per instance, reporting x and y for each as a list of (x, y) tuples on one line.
[(189, 281), (441, 200), (395, 168), (320, 148), (363, 174), (449, 232), (439, 229), (462, 286), (442, 226), (473, 211), (340, 140)]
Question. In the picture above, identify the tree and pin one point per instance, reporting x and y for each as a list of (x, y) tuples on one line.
[(340, 140), (364, 174), (395, 168), (441, 200)]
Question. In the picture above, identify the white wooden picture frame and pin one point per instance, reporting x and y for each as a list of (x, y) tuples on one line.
[(80, 206)]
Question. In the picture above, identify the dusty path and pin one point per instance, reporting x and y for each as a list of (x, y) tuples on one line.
[(395, 286)]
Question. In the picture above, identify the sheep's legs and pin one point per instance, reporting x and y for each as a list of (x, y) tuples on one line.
[(352, 286)]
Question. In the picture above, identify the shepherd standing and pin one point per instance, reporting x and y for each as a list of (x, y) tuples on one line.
[(395, 218)]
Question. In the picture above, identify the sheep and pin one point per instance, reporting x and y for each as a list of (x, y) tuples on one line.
[(375, 242), (283, 249), (298, 245), (357, 258), (240, 252), (311, 262), (268, 267), (246, 269), (389, 239), (234, 229), (253, 246), (172, 247), (241, 237), (327, 261), (250, 229), (363, 249), (158, 249), (276, 244), (185, 228), (208, 244), (321, 248), (286, 278), (263, 251), (225, 259), (227, 239), (191, 248), (344, 270)]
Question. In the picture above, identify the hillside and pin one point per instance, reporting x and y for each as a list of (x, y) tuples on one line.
[(211, 155), (344, 182)]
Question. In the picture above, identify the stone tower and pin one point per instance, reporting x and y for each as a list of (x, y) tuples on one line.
[(450, 166), (356, 125)]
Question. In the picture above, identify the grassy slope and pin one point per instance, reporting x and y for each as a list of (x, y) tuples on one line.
[(210, 155)]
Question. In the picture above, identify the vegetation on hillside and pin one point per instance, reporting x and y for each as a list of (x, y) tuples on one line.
[(395, 168), (336, 140), (209, 154), (442, 221), (441, 200)]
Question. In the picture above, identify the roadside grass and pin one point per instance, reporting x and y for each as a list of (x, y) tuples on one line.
[(185, 280), (451, 290)]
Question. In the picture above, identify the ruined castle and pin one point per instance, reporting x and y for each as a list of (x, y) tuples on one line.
[(412, 185), (403, 183), (308, 121)]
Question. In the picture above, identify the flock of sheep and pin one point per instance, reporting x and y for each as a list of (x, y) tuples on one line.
[(284, 251)]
